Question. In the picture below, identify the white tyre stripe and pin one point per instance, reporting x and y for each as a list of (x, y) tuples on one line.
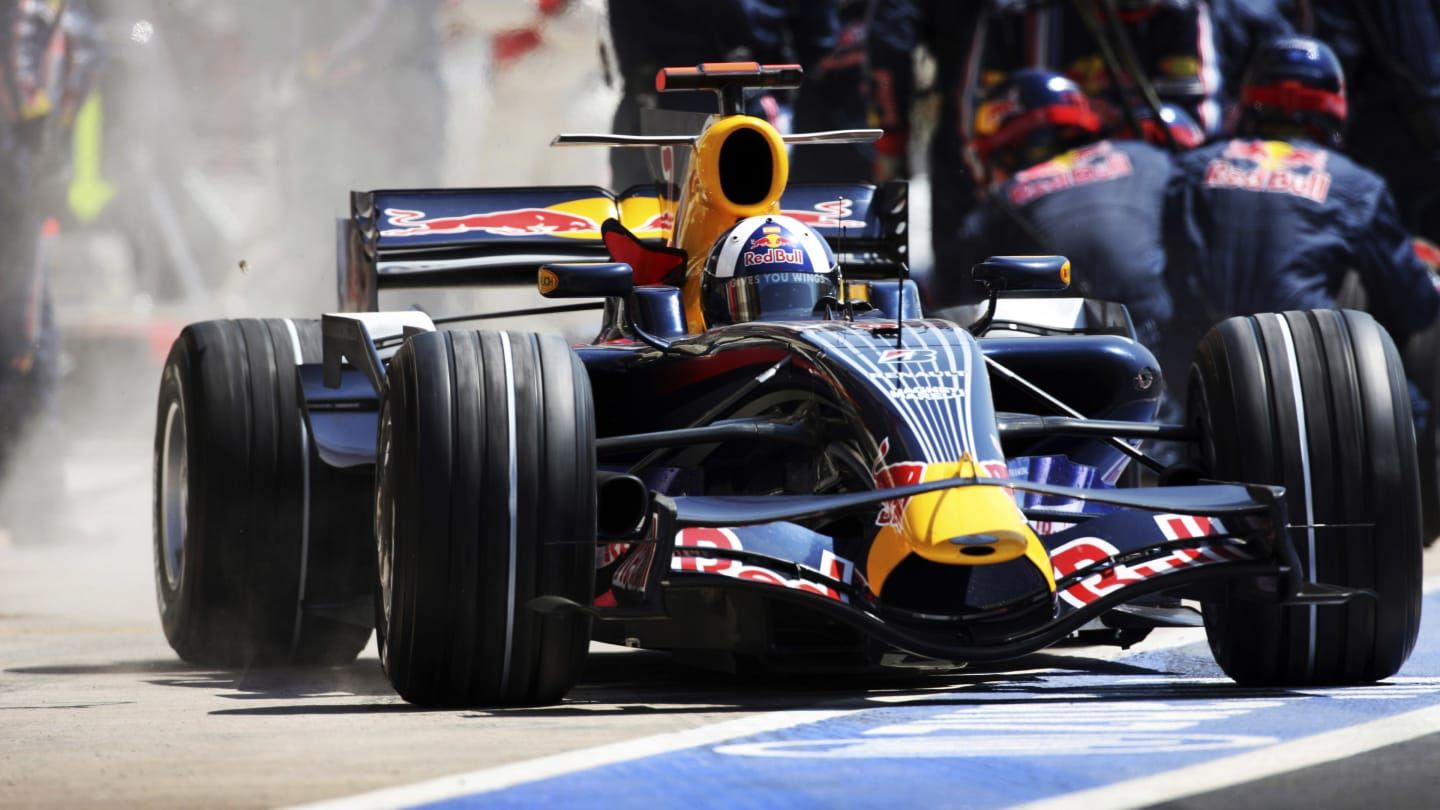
[(513, 506), (304, 497), (1304, 437)]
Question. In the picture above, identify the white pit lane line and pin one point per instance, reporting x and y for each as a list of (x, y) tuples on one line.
[(519, 773), (1254, 764)]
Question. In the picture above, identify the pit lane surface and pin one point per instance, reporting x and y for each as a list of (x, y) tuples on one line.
[(96, 711)]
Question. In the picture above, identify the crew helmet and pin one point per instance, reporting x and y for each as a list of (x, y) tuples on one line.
[(1030, 117), (767, 267), (1294, 86)]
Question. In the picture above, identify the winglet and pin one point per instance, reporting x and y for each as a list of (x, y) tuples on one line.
[(653, 264)]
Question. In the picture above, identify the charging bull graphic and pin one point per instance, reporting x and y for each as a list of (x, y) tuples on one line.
[(514, 222)]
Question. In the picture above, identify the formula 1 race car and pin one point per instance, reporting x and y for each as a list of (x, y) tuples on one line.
[(800, 475)]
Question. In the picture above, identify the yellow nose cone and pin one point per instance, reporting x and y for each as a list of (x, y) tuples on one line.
[(963, 525), (966, 526)]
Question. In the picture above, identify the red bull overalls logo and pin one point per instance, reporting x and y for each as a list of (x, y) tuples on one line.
[(1271, 167), (1092, 164)]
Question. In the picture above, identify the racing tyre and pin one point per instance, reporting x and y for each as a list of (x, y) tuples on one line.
[(485, 500), (1422, 353), (1316, 402), (260, 555)]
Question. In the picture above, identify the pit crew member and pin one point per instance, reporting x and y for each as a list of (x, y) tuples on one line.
[(943, 30), (1273, 219), (1387, 48), (1057, 187), (1192, 51), (31, 94)]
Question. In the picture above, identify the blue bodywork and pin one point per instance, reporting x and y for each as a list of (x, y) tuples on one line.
[(770, 449)]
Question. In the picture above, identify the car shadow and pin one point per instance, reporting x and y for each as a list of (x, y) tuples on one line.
[(640, 682), (634, 682), (363, 677)]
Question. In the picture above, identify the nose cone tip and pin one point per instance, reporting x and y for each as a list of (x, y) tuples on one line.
[(979, 546), (966, 525)]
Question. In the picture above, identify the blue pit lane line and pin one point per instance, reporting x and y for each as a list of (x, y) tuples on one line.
[(992, 740)]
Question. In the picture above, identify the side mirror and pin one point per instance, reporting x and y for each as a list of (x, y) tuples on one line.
[(586, 280), (1019, 273), (615, 280)]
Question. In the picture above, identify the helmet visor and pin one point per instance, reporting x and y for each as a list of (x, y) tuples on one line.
[(776, 296)]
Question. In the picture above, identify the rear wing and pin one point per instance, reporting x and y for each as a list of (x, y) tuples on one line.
[(864, 224), (399, 239)]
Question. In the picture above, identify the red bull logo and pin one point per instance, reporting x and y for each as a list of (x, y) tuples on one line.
[(829, 214), (690, 556), (514, 222), (1271, 167), (774, 256), (1084, 552), (772, 246), (897, 475), (1081, 167), (663, 221), (770, 236), (888, 476), (1277, 155), (905, 473)]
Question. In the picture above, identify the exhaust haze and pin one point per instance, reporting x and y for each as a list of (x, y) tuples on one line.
[(229, 136)]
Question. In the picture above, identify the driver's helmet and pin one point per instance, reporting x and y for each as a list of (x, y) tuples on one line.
[(769, 267), (1294, 87), (1030, 117)]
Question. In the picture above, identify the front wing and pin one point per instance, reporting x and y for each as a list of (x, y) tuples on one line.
[(1153, 539)]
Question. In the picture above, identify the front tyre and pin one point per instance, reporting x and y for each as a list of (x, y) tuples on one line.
[(485, 499), (1421, 354), (256, 562), (1316, 402)]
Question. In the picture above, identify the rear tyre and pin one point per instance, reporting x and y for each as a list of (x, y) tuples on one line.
[(251, 566), (1317, 402), (485, 499)]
